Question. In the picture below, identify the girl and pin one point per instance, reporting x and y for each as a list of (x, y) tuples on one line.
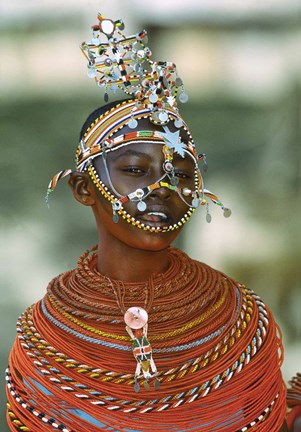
[(139, 336)]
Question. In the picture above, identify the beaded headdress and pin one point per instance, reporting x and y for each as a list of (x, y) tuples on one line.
[(123, 62)]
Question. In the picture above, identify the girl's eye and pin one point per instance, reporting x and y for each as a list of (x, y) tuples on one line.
[(182, 175), (133, 170)]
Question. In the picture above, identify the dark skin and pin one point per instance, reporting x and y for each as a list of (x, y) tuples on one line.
[(126, 252)]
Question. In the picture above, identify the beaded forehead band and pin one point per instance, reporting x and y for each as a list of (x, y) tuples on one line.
[(98, 137), (122, 62)]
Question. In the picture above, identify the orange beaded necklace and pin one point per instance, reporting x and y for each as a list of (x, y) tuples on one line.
[(214, 342)]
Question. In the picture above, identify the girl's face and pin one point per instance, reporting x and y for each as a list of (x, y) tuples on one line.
[(136, 166)]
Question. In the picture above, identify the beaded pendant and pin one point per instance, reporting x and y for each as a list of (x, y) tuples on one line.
[(136, 325)]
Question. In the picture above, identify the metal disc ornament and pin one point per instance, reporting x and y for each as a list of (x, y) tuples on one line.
[(141, 206), (135, 317), (132, 124), (195, 202), (157, 384), (153, 98), (227, 212), (208, 217), (91, 73), (146, 386), (114, 88), (95, 41), (163, 116), (183, 97), (178, 123)]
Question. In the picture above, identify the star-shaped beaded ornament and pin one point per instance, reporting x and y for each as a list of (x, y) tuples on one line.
[(173, 141)]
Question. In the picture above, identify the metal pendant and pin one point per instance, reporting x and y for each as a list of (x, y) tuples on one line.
[(132, 124), (178, 123), (136, 319), (208, 217), (183, 97), (115, 218), (195, 202), (174, 181), (227, 212), (163, 116), (141, 206), (153, 98)]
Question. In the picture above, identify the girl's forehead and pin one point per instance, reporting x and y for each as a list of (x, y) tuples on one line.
[(145, 124), (138, 149), (146, 152)]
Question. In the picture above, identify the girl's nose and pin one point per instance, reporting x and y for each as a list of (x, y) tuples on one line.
[(163, 193)]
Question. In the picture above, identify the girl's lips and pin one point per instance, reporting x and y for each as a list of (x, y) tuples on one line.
[(154, 218)]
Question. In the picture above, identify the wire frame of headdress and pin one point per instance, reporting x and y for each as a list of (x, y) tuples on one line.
[(123, 62)]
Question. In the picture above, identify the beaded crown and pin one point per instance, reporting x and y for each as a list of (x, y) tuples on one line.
[(124, 62)]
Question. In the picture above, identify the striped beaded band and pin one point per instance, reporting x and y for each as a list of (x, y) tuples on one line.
[(47, 419)]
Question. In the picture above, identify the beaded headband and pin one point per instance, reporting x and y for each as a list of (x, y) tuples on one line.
[(98, 137), (124, 63)]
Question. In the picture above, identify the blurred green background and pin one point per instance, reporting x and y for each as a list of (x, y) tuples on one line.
[(241, 65)]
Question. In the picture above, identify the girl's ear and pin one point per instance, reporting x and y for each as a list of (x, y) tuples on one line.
[(82, 188)]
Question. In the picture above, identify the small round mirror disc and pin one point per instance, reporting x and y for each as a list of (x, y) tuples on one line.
[(135, 317)]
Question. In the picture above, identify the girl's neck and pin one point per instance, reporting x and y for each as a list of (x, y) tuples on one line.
[(130, 264)]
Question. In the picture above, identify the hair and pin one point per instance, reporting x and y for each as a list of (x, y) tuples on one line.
[(97, 113)]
